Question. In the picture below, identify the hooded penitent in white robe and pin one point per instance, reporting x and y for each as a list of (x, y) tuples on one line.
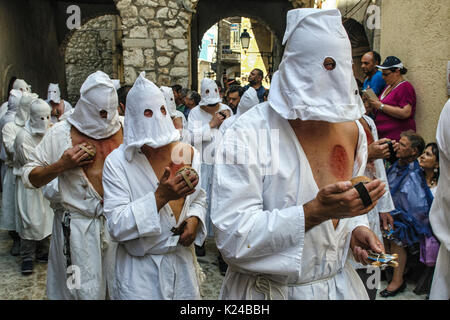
[(262, 177), (150, 263), (248, 100), (35, 217), (9, 130), (440, 210), (91, 249), (204, 138), (54, 95), (170, 103), (376, 170)]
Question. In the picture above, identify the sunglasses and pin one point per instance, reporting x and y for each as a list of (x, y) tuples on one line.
[(385, 74)]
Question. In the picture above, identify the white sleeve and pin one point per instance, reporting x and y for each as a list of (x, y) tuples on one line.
[(8, 136), (127, 219), (248, 236), (199, 130), (45, 153)]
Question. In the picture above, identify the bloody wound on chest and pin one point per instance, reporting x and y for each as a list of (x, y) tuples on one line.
[(339, 162)]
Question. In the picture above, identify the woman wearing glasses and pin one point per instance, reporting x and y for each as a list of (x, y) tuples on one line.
[(397, 103)]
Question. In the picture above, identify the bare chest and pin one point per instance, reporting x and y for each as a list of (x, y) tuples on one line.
[(103, 148)]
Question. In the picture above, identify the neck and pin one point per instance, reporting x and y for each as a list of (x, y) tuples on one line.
[(155, 152), (371, 73), (256, 86), (396, 82), (211, 110), (429, 174), (405, 161)]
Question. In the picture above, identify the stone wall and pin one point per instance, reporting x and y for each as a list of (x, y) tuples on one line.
[(417, 32), (89, 49), (155, 39)]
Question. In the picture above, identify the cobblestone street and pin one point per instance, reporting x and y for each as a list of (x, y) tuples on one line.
[(14, 286)]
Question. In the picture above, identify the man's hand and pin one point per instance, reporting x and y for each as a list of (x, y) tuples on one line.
[(364, 239), (379, 150), (340, 200), (173, 188), (216, 121), (76, 157), (386, 219), (189, 232)]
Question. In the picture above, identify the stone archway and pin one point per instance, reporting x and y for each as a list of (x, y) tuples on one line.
[(97, 45), (157, 34)]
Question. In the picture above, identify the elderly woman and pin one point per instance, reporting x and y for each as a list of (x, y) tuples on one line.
[(412, 199), (395, 109), (429, 246)]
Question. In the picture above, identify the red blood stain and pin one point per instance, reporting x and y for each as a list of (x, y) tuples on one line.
[(175, 167), (339, 162), (369, 136)]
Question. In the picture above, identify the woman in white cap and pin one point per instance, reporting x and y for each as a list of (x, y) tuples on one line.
[(396, 106)]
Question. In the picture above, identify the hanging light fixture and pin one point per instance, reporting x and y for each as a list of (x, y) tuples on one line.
[(245, 39)]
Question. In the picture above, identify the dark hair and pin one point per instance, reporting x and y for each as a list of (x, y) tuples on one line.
[(218, 83), (240, 90), (176, 87), (260, 72), (402, 70), (376, 57), (194, 95), (122, 94), (11, 83), (435, 151), (415, 139), (183, 92)]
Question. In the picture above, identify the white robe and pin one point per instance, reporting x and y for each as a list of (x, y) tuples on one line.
[(204, 138), (90, 246), (385, 203), (35, 217), (259, 220), (149, 264), (9, 214), (440, 210)]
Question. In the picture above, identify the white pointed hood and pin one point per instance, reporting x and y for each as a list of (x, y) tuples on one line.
[(40, 115), (170, 100), (97, 94), (156, 130), (248, 100), (23, 112), (209, 92), (53, 93), (302, 87), (21, 85)]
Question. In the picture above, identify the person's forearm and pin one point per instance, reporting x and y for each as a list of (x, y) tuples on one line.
[(40, 176), (313, 215), (396, 112)]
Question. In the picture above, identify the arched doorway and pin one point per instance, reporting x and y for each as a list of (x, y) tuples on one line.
[(222, 55), (97, 45), (209, 12)]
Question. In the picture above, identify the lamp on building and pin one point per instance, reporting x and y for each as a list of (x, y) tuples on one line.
[(245, 39)]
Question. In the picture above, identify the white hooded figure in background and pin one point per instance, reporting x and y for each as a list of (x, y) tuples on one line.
[(270, 177), (21, 104), (74, 151), (440, 210), (61, 109), (152, 262), (179, 120), (20, 85), (35, 217), (248, 100), (203, 125)]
